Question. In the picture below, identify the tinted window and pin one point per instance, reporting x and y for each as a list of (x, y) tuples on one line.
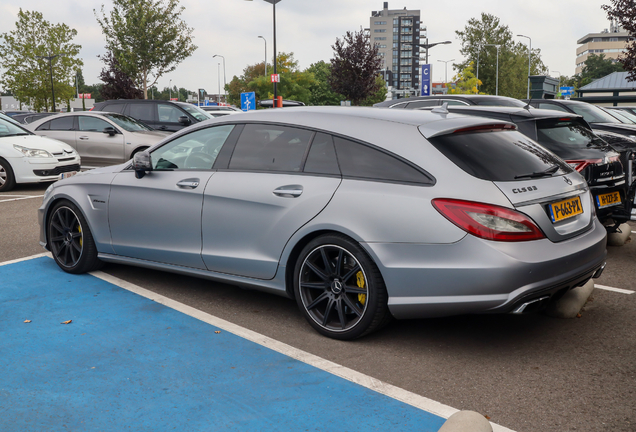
[(196, 150), (592, 114), (60, 124), (552, 107), (424, 103), (92, 124), (169, 113), (499, 102), (114, 107), (361, 161), (497, 156), (322, 156), (142, 111), (270, 148), (454, 102), (558, 134)]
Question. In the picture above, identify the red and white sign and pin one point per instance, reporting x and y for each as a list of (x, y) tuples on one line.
[(275, 78), (84, 95), (174, 99)]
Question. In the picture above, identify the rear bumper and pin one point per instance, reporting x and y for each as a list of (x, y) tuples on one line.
[(478, 276)]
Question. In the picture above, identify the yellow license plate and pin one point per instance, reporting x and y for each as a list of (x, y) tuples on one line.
[(608, 199), (566, 209)]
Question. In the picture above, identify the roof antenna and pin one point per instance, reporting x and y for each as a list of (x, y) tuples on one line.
[(442, 109)]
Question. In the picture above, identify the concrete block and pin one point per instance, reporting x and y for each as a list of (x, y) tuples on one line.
[(571, 303), (466, 421), (620, 236)]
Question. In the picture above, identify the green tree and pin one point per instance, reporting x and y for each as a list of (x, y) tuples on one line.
[(465, 82), (379, 95), (597, 66), (623, 12), (321, 93), (477, 40), (27, 74), (147, 37), (239, 85), (355, 66)]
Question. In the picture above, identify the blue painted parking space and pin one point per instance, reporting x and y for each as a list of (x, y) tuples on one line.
[(125, 362)]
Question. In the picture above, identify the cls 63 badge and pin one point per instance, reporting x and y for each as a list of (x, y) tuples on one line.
[(524, 189)]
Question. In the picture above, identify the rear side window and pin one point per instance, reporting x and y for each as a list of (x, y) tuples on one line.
[(270, 148), (497, 156), (114, 107), (58, 124), (557, 134), (322, 156), (142, 111), (365, 162)]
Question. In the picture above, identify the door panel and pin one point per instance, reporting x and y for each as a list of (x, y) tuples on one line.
[(249, 217), (100, 149)]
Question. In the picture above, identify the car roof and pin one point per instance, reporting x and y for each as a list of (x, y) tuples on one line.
[(464, 97), (517, 111)]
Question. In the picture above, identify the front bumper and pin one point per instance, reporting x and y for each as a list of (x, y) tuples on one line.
[(39, 170), (479, 276)]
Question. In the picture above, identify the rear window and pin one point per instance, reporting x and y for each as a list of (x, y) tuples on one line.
[(497, 156), (555, 135)]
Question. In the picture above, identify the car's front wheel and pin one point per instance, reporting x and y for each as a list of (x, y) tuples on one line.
[(70, 239), (339, 288), (7, 178)]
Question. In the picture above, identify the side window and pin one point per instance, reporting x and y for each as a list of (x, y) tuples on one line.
[(422, 103), (169, 113), (362, 161), (142, 111), (92, 124), (60, 124), (552, 107), (44, 126), (451, 102), (270, 148), (322, 156), (114, 107), (196, 150)]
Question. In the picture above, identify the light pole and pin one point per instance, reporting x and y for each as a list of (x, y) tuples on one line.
[(446, 68), (265, 53), (273, 3), (49, 58), (529, 59), (427, 45), (170, 89), (497, 76), (224, 82)]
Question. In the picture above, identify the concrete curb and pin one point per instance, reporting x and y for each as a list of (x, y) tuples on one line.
[(620, 236), (466, 421), (571, 303)]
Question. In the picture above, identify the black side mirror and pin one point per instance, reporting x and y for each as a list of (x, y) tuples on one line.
[(142, 164), (110, 130), (184, 120)]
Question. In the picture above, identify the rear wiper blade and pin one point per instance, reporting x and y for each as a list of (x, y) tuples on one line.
[(546, 173)]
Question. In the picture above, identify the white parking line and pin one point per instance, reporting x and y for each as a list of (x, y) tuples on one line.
[(20, 197), (618, 290)]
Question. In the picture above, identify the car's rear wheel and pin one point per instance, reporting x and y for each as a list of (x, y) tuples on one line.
[(7, 178), (339, 288), (70, 239)]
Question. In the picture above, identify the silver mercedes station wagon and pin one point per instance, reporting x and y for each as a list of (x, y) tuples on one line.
[(360, 214)]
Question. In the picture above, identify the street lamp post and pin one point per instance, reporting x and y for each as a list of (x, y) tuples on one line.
[(264, 40), (273, 3), (427, 45), (170, 89), (224, 82), (529, 59), (49, 58), (497, 73), (446, 68)]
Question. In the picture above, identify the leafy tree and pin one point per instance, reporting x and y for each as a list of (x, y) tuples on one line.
[(117, 84), (379, 95), (597, 66), (465, 82), (147, 37), (239, 85), (477, 39), (27, 74), (624, 13), (321, 93), (355, 66)]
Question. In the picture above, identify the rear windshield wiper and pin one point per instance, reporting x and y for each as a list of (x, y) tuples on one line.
[(546, 173)]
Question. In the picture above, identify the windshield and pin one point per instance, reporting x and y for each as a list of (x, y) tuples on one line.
[(554, 134), (127, 123), (592, 114), (196, 112), (9, 128), (624, 116)]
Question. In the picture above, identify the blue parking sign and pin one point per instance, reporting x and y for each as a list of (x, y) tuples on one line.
[(248, 101), (426, 80)]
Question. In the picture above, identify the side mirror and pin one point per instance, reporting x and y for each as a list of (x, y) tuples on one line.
[(142, 164), (110, 130), (184, 120)]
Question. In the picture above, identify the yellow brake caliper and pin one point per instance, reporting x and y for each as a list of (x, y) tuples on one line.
[(79, 228), (360, 279)]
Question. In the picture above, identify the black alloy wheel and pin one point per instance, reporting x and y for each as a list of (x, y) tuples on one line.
[(339, 288), (70, 239)]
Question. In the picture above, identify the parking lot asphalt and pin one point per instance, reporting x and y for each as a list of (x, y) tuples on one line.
[(527, 373)]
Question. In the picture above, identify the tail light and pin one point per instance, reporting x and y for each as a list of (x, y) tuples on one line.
[(489, 221), (581, 164)]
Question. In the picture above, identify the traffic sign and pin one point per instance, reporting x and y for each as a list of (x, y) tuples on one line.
[(275, 78), (426, 80), (567, 91), (248, 101)]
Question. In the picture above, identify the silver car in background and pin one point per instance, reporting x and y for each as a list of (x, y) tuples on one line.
[(100, 138), (360, 214)]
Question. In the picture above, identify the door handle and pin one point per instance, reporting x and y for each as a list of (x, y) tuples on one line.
[(192, 183), (289, 191), (84, 138)]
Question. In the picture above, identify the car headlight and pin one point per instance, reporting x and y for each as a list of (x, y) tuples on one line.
[(32, 152)]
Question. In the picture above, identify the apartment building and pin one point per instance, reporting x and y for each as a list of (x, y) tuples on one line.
[(610, 42)]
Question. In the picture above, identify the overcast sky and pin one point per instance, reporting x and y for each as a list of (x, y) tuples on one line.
[(309, 28)]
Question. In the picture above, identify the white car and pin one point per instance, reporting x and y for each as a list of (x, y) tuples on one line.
[(28, 158)]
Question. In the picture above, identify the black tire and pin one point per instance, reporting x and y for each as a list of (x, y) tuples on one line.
[(70, 239), (339, 289), (7, 178)]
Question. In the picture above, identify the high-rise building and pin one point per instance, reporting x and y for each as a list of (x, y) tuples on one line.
[(610, 43), (397, 32)]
